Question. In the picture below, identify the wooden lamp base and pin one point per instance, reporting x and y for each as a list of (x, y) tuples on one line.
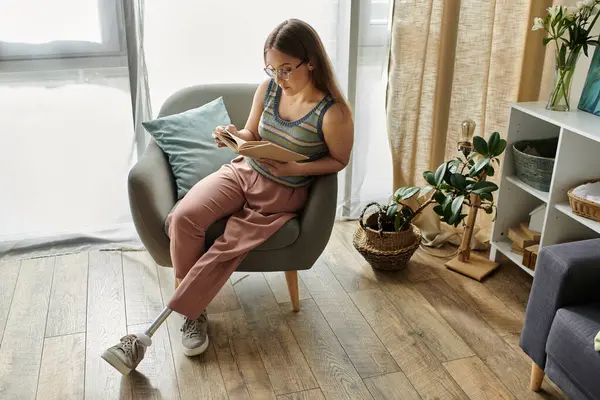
[(476, 267)]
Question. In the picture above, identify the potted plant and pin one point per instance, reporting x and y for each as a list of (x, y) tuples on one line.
[(569, 28), (388, 238)]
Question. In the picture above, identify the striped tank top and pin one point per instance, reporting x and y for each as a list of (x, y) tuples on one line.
[(304, 136)]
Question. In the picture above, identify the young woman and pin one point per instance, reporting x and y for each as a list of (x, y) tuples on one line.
[(301, 108)]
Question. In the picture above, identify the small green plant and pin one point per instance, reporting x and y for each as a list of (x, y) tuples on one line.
[(454, 184)]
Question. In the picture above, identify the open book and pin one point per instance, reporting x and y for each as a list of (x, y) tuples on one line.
[(259, 149)]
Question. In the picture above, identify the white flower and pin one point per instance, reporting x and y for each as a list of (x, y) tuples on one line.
[(589, 3), (580, 5), (570, 12), (538, 23), (553, 11)]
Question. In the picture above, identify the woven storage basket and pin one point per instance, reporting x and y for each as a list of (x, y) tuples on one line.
[(536, 171), (583, 207), (385, 250)]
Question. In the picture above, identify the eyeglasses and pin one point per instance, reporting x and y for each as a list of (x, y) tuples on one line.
[(284, 74)]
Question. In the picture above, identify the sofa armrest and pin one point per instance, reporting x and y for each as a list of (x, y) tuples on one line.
[(566, 274), (152, 195)]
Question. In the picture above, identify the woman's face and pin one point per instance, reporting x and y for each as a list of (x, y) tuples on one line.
[(297, 79)]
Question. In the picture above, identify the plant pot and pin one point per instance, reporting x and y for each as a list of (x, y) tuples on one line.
[(385, 250)]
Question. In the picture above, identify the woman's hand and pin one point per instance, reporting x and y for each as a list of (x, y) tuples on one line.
[(220, 129), (280, 169)]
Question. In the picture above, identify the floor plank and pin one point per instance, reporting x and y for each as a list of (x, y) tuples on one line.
[(106, 324), (501, 359), (441, 339), (155, 377), (337, 377), (198, 377), (23, 341), (243, 371), (475, 378), (143, 300), (224, 301), (391, 387), (421, 366), (503, 319), (511, 285), (351, 270), (68, 301), (9, 271), (63, 367), (287, 368), (368, 354), (279, 287), (314, 394)]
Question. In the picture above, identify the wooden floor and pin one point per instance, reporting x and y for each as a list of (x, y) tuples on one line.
[(423, 333)]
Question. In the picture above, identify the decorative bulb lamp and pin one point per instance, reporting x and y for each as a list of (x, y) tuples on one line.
[(471, 265)]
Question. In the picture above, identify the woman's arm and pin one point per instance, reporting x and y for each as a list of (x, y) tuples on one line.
[(250, 131), (338, 131)]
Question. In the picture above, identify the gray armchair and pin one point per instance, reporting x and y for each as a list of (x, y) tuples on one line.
[(563, 317), (152, 196)]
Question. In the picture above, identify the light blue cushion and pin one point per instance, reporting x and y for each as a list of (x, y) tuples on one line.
[(186, 138)]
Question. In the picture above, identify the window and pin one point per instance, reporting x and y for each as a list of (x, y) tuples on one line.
[(41, 29)]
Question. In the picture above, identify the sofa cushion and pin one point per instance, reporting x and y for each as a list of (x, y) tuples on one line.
[(284, 237), (186, 139), (571, 346)]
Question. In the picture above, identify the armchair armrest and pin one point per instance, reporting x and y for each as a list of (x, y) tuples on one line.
[(566, 274), (152, 195), (317, 218)]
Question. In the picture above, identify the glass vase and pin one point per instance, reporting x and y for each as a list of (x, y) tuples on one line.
[(565, 63)]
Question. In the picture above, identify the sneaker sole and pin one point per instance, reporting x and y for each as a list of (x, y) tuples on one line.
[(197, 351), (116, 363)]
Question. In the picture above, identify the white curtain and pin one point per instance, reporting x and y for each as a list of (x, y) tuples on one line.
[(67, 133), (77, 77)]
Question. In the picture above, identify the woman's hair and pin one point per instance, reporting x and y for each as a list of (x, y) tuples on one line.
[(298, 39)]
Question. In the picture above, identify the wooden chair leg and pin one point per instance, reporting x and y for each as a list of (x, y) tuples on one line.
[(537, 377), (292, 283)]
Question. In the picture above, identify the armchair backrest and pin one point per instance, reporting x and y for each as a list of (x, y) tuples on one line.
[(237, 99)]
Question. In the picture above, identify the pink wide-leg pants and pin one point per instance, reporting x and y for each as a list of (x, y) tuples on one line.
[(257, 206)]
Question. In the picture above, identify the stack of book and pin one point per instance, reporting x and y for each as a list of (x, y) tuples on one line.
[(525, 242)]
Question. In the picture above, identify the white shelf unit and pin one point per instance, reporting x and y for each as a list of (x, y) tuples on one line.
[(577, 160)]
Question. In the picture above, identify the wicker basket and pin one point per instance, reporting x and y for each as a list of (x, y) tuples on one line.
[(583, 207), (536, 171), (385, 250)]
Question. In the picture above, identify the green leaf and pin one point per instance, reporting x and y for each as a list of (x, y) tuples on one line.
[(405, 193), (545, 41), (480, 145), (457, 204), (479, 166), (493, 142), (500, 147), (407, 211), (458, 181), (447, 201), (489, 210), (486, 196), (489, 171), (391, 211), (439, 197), (484, 187), (439, 210), (398, 222), (429, 178), (439, 174), (585, 50)]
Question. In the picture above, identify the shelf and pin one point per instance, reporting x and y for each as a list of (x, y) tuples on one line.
[(580, 122), (543, 196), (505, 247), (565, 208)]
